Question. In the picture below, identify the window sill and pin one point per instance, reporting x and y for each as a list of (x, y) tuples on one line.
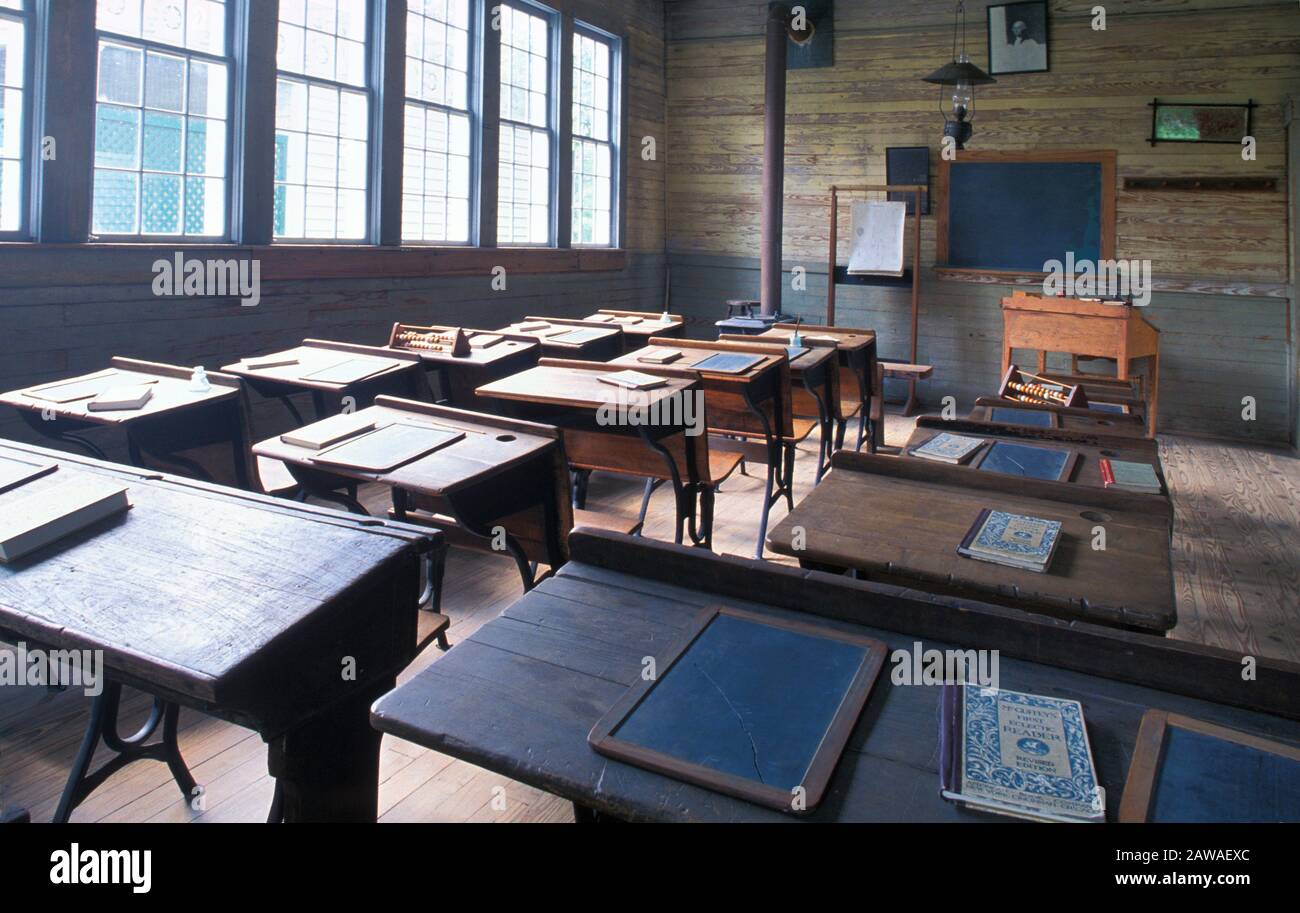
[(25, 264)]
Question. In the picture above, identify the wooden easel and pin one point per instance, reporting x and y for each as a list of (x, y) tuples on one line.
[(916, 191)]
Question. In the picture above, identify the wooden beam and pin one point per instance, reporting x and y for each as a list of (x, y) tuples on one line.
[(253, 219), (390, 115), (490, 147), (564, 136), (68, 117)]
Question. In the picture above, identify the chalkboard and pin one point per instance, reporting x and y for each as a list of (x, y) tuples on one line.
[(1190, 771), (1027, 418), (1028, 461), (749, 705), (1017, 212)]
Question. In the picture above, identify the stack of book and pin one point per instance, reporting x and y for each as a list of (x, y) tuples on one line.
[(633, 380), (1012, 540), (1130, 476), (1016, 754)]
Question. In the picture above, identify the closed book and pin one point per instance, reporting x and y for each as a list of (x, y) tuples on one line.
[(578, 337), (948, 448), (282, 360), (1012, 540), (332, 430), (530, 325), (659, 356), (484, 340), (633, 380), (15, 475), (32, 520), (1022, 755), (1131, 476), (117, 399)]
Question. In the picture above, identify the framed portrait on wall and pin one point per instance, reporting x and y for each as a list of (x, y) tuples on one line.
[(1018, 38)]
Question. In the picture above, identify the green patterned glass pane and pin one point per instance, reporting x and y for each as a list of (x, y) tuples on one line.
[(279, 208), (160, 204), (282, 156), (115, 202), (205, 147), (205, 206), (162, 142), (194, 206), (117, 137)]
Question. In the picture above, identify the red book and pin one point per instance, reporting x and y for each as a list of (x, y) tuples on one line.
[(1107, 474)]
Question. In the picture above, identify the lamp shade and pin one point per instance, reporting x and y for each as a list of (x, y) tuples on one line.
[(959, 71)]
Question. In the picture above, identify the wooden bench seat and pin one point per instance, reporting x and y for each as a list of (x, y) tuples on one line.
[(906, 370)]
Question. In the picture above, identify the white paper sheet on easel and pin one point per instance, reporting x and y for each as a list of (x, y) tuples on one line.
[(877, 238)]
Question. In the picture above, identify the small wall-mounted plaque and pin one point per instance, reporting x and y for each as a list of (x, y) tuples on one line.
[(1200, 123)]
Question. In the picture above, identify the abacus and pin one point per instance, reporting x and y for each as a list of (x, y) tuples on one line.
[(442, 340), (1021, 386)]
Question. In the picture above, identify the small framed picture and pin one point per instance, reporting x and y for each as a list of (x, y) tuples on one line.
[(1018, 38)]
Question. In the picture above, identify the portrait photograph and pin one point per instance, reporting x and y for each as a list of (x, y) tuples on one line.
[(1018, 38)]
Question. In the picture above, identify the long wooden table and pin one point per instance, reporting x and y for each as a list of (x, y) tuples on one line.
[(460, 375), (1090, 447), (240, 606), (605, 340), (639, 326), (1084, 421), (520, 696), (599, 435), (175, 418), (503, 473), (403, 378), (749, 412), (917, 513)]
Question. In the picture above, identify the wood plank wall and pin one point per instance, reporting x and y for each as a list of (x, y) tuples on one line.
[(65, 310), (1219, 347)]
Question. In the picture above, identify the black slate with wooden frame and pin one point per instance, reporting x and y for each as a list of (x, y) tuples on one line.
[(833, 684)]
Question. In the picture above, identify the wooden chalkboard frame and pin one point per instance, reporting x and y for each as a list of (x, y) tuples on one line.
[(1143, 771), (1106, 158), (822, 764)]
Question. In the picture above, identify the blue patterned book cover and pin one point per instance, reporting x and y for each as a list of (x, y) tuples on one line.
[(1019, 754), (948, 448), (1012, 540)]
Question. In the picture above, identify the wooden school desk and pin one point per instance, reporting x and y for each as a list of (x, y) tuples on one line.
[(460, 375), (860, 392), (405, 378), (921, 511), (503, 473), (521, 694), (174, 420), (1083, 327), (602, 341), (814, 387), (1085, 421), (239, 606), (570, 396), (639, 326), (1090, 447), (749, 412)]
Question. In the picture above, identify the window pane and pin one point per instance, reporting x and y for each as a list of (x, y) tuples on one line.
[(593, 132), (524, 188), (322, 154), (436, 176), (161, 138), (13, 129)]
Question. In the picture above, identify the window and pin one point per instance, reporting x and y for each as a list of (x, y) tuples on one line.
[(437, 150), (13, 122), (594, 144), (163, 104), (322, 121), (524, 183)]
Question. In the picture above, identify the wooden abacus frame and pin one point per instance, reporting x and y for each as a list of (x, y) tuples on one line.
[(1021, 386), (446, 340)]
